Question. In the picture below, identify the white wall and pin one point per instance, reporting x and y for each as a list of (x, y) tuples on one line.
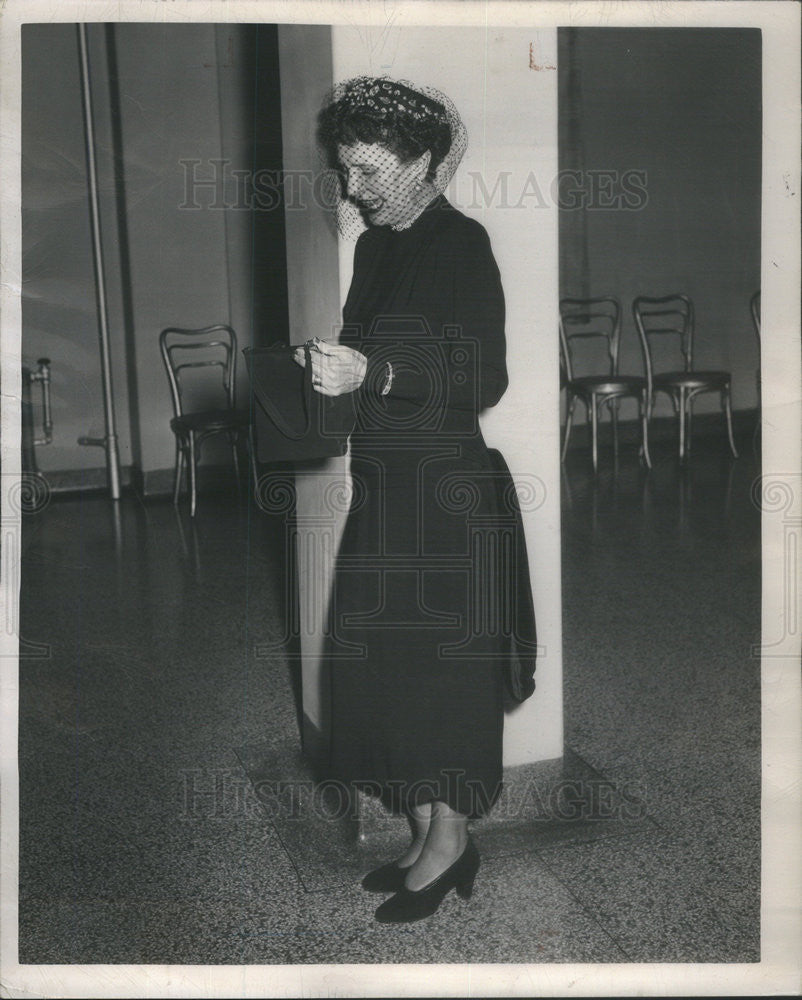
[(305, 63), (510, 111), (170, 112), (692, 126), (58, 297), (181, 97)]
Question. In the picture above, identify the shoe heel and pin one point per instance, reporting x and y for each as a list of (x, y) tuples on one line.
[(465, 888), (466, 878)]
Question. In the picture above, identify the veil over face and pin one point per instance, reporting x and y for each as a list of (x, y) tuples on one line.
[(391, 147)]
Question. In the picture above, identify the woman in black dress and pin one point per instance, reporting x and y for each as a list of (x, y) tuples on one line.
[(417, 703)]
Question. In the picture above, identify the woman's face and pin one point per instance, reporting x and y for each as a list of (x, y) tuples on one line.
[(384, 188)]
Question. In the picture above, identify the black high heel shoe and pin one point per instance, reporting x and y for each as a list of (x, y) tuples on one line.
[(388, 878), (408, 905)]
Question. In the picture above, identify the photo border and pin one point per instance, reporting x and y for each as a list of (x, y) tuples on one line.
[(779, 969)]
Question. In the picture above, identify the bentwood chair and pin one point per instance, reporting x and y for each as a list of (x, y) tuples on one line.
[(590, 334), (201, 409), (670, 320)]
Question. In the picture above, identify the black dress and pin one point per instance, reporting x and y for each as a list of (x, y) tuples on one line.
[(416, 680)]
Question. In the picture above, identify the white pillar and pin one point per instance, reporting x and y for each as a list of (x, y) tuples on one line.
[(505, 180), (504, 83)]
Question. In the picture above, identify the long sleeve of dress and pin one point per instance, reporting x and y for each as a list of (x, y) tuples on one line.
[(480, 309), (466, 358)]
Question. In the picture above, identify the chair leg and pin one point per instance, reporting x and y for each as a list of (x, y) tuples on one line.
[(688, 425), (251, 456), (179, 470), (594, 420), (644, 409), (681, 409), (569, 417), (728, 412), (566, 486), (614, 414), (234, 438), (192, 473)]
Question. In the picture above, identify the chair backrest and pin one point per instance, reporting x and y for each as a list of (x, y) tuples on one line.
[(200, 349), (667, 318), (754, 305), (594, 324)]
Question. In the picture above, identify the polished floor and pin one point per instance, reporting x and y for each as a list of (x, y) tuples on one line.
[(167, 817)]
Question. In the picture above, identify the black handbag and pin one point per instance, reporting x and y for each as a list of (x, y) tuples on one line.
[(521, 651), (291, 422)]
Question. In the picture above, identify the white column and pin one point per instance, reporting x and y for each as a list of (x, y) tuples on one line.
[(505, 180), (504, 83)]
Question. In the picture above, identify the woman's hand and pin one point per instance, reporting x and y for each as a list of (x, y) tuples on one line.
[(335, 368)]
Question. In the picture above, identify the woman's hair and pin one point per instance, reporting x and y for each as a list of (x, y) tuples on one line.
[(379, 110)]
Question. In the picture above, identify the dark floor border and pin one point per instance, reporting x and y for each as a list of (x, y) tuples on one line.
[(156, 483)]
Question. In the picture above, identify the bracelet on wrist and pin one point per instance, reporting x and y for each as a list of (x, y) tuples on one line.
[(389, 376)]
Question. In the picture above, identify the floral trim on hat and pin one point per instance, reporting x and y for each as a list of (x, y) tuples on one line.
[(385, 96)]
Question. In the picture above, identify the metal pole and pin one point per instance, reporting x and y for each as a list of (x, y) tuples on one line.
[(109, 442)]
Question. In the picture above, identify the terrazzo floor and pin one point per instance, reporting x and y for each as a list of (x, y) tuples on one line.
[(154, 827)]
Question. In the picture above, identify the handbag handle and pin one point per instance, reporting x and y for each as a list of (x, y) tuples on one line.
[(276, 416)]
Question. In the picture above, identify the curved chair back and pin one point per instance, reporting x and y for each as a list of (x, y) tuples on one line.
[(204, 348), (669, 317), (592, 322)]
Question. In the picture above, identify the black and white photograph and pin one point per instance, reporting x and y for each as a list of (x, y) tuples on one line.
[(401, 498)]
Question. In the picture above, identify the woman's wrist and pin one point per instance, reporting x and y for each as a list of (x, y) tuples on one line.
[(361, 368)]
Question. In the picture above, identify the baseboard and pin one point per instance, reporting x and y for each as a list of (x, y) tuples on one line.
[(155, 483), (664, 428), (149, 484), (84, 480)]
